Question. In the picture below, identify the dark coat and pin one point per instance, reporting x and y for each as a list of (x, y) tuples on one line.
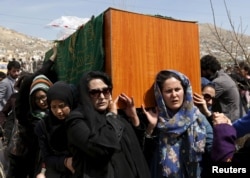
[(113, 151), (53, 145), (25, 165), (224, 143), (224, 147), (22, 101), (52, 135)]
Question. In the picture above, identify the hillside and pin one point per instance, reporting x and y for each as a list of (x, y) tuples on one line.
[(209, 43), (17, 45)]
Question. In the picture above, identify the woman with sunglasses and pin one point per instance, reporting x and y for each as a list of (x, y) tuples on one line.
[(206, 101), (103, 144)]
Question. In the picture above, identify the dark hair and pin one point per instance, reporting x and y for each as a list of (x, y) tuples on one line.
[(83, 86), (209, 62), (21, 77), (163, 75), (75, 93), (33, 103), (243, 65), (2, 74), (13, 64), (94, 118), (98, 75)]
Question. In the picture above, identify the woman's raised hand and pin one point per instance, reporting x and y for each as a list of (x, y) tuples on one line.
[(152, 117), (113, 105), (130, 109)]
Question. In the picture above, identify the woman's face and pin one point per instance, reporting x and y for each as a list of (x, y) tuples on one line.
[(100, 94), (41, 99), (173, 93), (208, 93), (59, 109)]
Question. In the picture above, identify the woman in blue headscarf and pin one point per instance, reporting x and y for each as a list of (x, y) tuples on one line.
[(176, 136)]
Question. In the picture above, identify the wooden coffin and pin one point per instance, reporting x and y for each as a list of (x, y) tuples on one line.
[(138, 46)]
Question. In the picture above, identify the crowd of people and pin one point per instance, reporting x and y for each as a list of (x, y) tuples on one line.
[(78, 130)]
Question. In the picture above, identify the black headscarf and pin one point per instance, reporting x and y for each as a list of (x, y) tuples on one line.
[(85, 104), (129, 160), (96, 121), (58, 137), (61, 91)]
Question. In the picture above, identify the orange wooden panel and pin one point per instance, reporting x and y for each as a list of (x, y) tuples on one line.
[(138, 46)]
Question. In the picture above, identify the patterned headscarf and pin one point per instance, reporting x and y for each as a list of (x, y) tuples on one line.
[(182, 135)]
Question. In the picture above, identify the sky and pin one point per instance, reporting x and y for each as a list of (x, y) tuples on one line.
[(31, 17)]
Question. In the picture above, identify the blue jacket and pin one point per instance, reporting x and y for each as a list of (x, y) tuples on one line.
[(242, 125)]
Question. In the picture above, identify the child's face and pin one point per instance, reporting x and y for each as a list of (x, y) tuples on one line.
[(60, 109)]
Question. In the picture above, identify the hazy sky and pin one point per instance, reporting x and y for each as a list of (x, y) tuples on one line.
[(30, 16)]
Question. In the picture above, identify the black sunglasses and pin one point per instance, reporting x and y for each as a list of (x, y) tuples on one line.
[(95, 93), (208, 97)]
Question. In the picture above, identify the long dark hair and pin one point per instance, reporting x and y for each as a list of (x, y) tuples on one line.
[(84, 84), (94, 118)]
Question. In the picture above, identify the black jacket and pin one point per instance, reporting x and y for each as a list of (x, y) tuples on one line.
[(53, 145), (113, 151)]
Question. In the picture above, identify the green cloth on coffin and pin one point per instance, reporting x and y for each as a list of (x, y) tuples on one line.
[(80, 52)]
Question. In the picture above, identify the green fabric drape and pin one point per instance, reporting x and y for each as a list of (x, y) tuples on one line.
[(80, 52)]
